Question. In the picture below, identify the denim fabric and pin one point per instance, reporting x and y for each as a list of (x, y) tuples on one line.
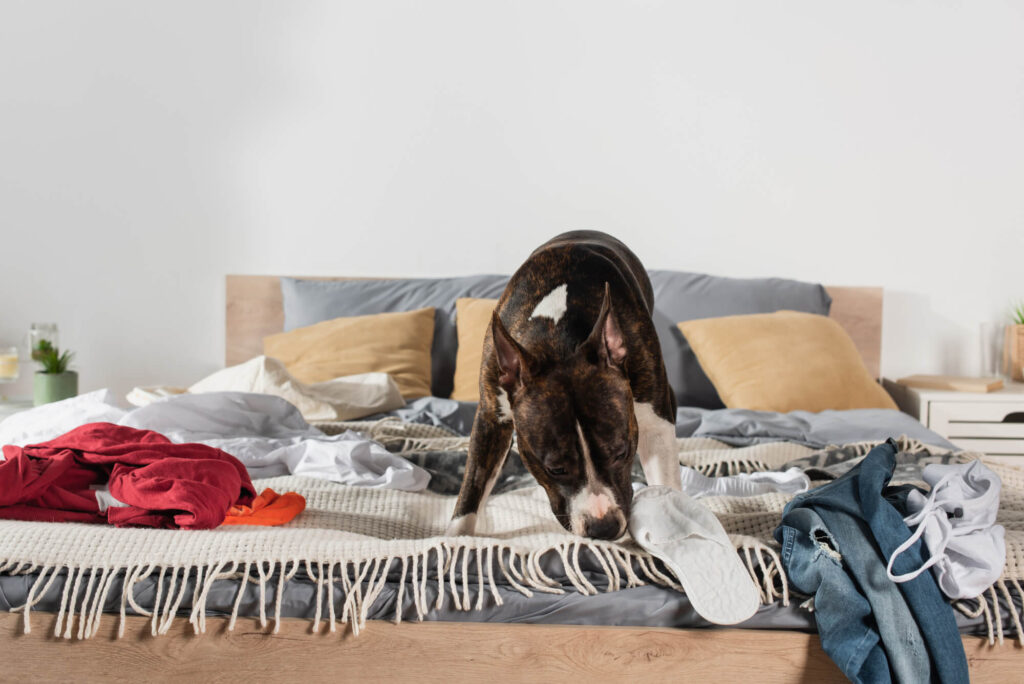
[(833, 555), (845, 620), (865, 529)]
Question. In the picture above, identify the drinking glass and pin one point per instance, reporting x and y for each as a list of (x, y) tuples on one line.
[(992, 349), (8, 365)]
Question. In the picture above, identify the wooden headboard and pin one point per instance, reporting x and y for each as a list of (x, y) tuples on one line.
[(254, 310)]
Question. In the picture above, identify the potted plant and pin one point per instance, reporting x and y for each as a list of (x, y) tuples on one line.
[(1013, 347), (54, 382)]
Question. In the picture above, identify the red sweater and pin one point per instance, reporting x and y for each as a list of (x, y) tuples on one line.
[(190, 486)]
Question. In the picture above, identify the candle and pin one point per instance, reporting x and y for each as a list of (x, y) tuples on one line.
[(8, 365)]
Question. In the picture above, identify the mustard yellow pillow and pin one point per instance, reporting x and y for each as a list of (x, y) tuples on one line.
[(394, 343), (783, 361), (472, 317)]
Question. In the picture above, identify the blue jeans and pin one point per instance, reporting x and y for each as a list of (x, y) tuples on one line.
[(836, 540)]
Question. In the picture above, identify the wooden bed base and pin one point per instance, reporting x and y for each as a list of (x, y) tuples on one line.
[(436, 651)]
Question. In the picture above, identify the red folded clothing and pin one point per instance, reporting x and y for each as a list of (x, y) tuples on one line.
[(163, 484)]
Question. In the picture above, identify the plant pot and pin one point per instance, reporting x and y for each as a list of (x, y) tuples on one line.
[(1013, 352), (50, 387)]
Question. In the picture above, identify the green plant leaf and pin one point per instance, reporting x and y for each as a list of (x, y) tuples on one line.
[(53, 361)]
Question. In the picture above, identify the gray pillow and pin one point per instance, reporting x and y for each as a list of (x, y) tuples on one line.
[(310, 301), (685, 296)]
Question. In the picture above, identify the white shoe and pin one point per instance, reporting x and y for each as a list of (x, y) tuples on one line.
[(691, 541)]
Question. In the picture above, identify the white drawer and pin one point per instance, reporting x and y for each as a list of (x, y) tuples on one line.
[(989, 427)]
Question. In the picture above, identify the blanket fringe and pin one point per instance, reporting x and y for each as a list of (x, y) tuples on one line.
[(987, 605), (467, 576), (765, 568), (723, 464), (905, 443), (725, 467)]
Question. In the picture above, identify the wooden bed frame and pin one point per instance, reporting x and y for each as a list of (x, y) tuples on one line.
[(437, 652), (446, 651)]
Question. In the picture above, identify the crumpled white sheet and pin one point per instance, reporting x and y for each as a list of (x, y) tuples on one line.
[(43, 423), (345, 398), (697, 485), (266, 433)]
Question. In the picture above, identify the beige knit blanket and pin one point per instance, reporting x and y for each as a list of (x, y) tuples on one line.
[(351, 538)]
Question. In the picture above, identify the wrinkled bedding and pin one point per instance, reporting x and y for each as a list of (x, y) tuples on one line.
[(266, 433), (737, 427), (648, 605), (344, 398)]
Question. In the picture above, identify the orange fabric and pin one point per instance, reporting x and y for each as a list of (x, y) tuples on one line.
[(267, 509)]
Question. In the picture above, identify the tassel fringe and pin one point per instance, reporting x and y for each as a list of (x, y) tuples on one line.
[(467, 577), (988, 606)]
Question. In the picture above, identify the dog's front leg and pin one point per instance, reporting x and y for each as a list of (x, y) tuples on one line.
[(488, 448), (656, 447)]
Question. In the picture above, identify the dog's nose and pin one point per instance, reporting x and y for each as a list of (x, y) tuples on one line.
[(611, 526)]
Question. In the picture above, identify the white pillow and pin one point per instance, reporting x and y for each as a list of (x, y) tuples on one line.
[(345, 398)]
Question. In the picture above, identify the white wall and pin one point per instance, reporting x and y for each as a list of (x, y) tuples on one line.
[(149, 148)]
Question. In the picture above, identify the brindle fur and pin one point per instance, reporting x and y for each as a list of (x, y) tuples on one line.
[(566, 374)]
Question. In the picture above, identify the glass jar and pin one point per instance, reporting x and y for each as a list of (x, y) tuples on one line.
[(8, 364), (42, 337)]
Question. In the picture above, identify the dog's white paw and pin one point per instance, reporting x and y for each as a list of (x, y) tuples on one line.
[(463, 526)]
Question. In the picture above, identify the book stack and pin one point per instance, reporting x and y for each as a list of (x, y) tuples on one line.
[(955, 383)]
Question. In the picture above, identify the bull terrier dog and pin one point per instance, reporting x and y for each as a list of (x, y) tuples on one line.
[(572, 365)]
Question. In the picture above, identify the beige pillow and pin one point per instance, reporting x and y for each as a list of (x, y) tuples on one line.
[(472, 317), (393, 343), (783, 361)]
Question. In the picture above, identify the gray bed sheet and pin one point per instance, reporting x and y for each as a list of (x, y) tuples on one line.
[(650, 605), (732, 426)]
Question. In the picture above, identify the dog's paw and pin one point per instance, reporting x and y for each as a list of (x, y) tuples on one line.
[(463, 526)]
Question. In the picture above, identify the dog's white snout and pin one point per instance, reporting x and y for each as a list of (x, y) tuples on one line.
[(593, 511), (596, 514), (611, 526), (597, 505)]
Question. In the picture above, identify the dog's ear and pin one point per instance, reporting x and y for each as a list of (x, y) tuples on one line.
[(514, 363), (606, 341)]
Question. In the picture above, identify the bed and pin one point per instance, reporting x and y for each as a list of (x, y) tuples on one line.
[(458, 644)]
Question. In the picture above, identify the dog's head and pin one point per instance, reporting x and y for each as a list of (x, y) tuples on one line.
[(575, 425)]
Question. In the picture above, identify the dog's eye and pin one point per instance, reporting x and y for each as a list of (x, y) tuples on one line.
[(557, 472)]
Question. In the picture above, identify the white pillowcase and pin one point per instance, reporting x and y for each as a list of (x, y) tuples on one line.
[(345, 398)]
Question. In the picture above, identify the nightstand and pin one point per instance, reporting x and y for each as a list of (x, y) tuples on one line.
[(8, 407), (989, 422)]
